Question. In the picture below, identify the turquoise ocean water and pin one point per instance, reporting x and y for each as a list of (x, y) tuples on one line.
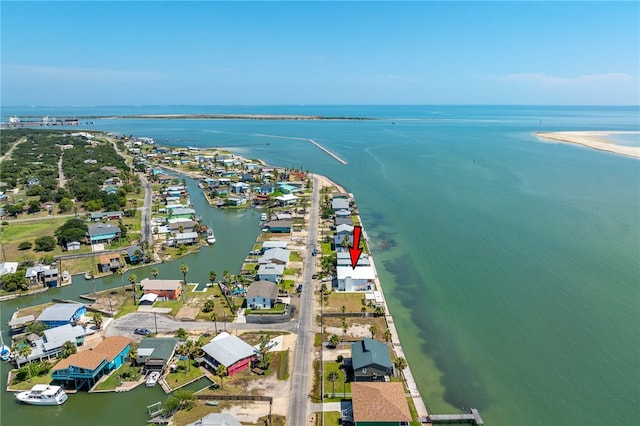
[(511, 265)]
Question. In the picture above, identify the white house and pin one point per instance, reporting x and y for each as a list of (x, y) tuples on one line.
[(359, 279)]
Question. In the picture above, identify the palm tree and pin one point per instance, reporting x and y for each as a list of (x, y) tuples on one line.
[(400, 364), (334, 340), (24, 352), (387, 335), (184, 269), (132, 280), (155, 272), (133, 355), (214, 318), (221, 371), (333, 376), (189, 349), (345, 327), (373, 330), (97, 318), (212, 277)]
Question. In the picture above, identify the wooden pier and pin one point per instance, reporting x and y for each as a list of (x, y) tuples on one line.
[(473, 417)]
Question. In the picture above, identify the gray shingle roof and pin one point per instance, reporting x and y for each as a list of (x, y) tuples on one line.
[(262, 288)]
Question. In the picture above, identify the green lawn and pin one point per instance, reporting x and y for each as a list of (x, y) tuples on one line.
[(340, 386), (35, 380), (126, 372), (295, 257), (183, 375), (331, 418), (326, 248)]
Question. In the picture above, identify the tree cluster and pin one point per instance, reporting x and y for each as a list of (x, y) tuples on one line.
[(72, 230)]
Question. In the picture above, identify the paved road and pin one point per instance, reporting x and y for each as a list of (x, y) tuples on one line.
[(300, 402), (125, 325), (145, 229)]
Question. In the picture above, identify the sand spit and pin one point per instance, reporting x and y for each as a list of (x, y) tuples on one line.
[(241, 117), (596, 140)]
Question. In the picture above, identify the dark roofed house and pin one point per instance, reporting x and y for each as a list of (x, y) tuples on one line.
[(370, 360), (156, 352), (262, 295), (279, 226), (109, 262), (135, 255), (377, 404), (103, 233)]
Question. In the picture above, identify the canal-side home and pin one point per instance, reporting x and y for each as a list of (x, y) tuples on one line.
[(270, 272), (377, 404), (61, 314), (155, 353), (170, 289), (359, 279), (262, 295), (279, 226), (84, 369), (370, 361), (230, 351), (50, 345)]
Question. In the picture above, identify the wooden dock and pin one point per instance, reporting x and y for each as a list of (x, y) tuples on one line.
[(472, 417)]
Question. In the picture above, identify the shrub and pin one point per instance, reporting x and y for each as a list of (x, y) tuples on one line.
[(25, 245), (46, 243)]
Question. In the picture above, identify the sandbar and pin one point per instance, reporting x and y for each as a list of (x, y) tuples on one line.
[(595, 140)]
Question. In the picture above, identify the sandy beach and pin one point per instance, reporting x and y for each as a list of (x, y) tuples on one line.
[(596, 140)]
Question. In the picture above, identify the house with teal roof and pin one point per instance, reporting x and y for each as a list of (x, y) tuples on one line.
[(370, 360)]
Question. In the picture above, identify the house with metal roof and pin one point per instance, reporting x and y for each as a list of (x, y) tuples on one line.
[(155, 353), (50, 345), (343, 258), (279, 226), (370, 361), (287, 199), (84, 369), (230, 351), (171, 289), (377, 404), (61, 314), (262, 295), (276, 255), (184, 238), (270, 272), (43, 275), (102, 233), (340, 204), (216, 419), (273, 244)]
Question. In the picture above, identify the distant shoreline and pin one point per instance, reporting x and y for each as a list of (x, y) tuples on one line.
[(595, 140)]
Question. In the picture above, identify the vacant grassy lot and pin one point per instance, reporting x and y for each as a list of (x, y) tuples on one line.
[(352, 302)]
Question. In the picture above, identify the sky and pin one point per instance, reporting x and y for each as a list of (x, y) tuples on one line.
[(80, 53)]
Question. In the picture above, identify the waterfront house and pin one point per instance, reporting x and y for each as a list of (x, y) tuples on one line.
[(84, 369), (186, 213), (240, 187), (277, 255), (236, 201), (370, 361), (155, 353), (358, 279), (344, 229), (102, 233), (287, 200), (230, 351), (181, 225), (148, 299), (270, 272), (273, 244), (341, 243), (343, 213), (377, 404), (343, 221), (344, 259), (184, 238), (135, 255), (42, 275), (62, 313), (279, 226), (109, 262), (340, 204), (170, 289), (216, 419), (262, 295), (50, 345), (19, 324)]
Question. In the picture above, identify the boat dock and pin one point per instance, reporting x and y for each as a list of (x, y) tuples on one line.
[(473, 417), (331, 154)]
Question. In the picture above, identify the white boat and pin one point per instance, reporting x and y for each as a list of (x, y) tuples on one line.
[(263, 217), (152, 379), (210, 237), (88, 275), (43, 395)]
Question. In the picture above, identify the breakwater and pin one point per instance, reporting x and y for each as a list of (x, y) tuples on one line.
[(326, 150)]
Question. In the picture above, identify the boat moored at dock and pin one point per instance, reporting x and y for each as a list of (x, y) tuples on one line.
[(43, 395)]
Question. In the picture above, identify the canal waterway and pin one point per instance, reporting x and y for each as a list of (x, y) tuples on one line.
[(235, 231)]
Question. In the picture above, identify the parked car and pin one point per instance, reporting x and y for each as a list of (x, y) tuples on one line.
[(142, 331), (314, 276), (299, 288)]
